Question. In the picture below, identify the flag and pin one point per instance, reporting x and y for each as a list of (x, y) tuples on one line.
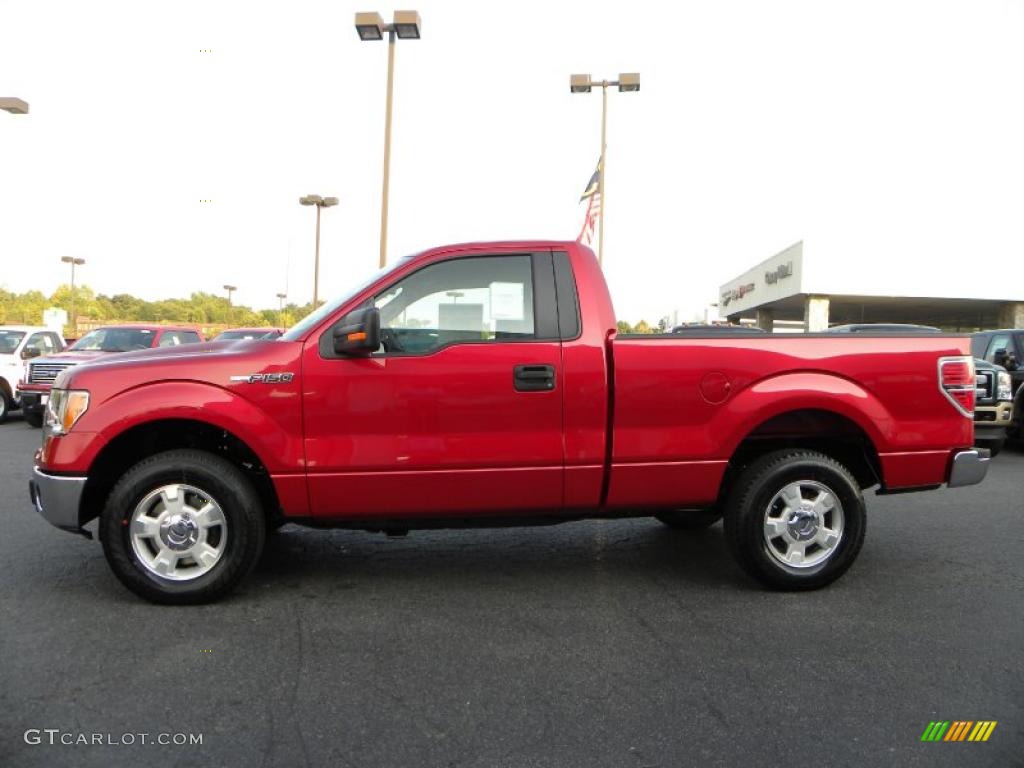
[(592, 195)]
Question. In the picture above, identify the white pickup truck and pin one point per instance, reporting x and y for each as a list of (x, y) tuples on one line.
[(19, 343)]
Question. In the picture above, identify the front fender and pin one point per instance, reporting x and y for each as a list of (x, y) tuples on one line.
[(274, 436)]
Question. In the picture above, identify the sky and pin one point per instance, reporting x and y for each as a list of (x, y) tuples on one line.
[(888, 135)]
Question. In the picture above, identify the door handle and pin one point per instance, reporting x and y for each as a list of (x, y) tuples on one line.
[(533, 378)]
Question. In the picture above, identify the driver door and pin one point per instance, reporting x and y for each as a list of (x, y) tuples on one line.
[(459, 413)]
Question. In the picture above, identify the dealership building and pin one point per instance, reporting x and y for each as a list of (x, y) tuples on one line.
[(798, 285)]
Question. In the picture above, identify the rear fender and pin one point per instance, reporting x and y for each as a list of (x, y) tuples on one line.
[(803, 391)]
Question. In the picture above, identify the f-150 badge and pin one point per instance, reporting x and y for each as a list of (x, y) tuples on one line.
[(265, 378)]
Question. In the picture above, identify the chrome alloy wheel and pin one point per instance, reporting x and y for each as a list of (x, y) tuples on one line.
[(178, 532), (803, 524)]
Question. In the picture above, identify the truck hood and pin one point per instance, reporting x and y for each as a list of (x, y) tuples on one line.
[(216, 364), (70, 356)]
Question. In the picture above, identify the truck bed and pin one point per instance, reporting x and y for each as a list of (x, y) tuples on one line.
[(684, 404)]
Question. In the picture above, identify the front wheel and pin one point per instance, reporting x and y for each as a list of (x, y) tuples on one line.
[(5, 406), (33, 418), (183, 526), (795, 519)]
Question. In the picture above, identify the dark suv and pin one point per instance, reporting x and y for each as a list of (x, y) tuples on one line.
[(1005, 347)]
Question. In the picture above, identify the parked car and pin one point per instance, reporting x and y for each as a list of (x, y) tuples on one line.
[(19, 343), (234, 334), (34, 389), (883, 328), (482, 385), (717, 328), (1005, 347)]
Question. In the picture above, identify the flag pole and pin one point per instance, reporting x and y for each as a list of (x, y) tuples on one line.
[(603, 171)]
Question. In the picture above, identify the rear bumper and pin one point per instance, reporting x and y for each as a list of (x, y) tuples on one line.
[(969, 467), (57, 499)]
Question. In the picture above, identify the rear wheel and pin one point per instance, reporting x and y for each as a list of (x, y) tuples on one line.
[(690, 519), (183, 526), (795, 519), (33, 418)]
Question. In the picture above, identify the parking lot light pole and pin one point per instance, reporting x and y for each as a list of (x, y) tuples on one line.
[(628, 82), (230, 289), (319, 202), (280, 308), (73, 261), (370, 27), (13, 105)]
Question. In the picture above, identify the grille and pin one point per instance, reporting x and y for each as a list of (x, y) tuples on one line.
[(984, 385), (45, 373)]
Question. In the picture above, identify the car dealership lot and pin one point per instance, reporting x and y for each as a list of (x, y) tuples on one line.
[(614, 643)]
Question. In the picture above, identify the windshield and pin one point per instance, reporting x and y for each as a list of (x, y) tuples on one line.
[(311, 320), (257, 333), (9, 341), (115, 340)]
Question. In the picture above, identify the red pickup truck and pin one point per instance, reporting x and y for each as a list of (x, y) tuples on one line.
[(483, 385)]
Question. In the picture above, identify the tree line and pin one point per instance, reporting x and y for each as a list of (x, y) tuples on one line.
[(200, 309)]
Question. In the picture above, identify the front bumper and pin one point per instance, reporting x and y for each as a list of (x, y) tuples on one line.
[(57, 499), (33, 400), (998, 415), (985, 434), (969, 467)]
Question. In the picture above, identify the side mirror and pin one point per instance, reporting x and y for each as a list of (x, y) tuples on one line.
[(29, 352), (999, 357), (359, 333)]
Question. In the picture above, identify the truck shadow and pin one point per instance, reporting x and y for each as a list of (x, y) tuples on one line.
[(586, 551)]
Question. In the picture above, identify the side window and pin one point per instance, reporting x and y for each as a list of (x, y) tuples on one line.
[(999, 341), (41, 342), (475, 299), (170, 339), (58, 343), (189, 337)]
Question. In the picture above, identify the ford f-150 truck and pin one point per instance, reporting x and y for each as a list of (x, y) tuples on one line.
[(484, 385)]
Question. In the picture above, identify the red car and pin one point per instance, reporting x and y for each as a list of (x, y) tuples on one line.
[(483, 385), (34, 389)]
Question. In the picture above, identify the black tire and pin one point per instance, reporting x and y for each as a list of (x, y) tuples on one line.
[(33, 418), (222, 482), (747, 511), (5, 405), (690, 519)]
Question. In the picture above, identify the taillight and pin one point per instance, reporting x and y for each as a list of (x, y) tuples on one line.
[(956, 380)]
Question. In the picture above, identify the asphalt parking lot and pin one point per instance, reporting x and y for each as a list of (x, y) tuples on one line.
[(613, 643)]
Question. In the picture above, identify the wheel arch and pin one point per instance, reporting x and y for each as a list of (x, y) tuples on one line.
[(165, 434), (830, 432)]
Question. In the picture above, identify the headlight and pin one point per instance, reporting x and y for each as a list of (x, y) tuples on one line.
[(1003, 387), (66, 406)]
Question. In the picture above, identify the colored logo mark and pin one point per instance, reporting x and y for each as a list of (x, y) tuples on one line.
[(959, 730)]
